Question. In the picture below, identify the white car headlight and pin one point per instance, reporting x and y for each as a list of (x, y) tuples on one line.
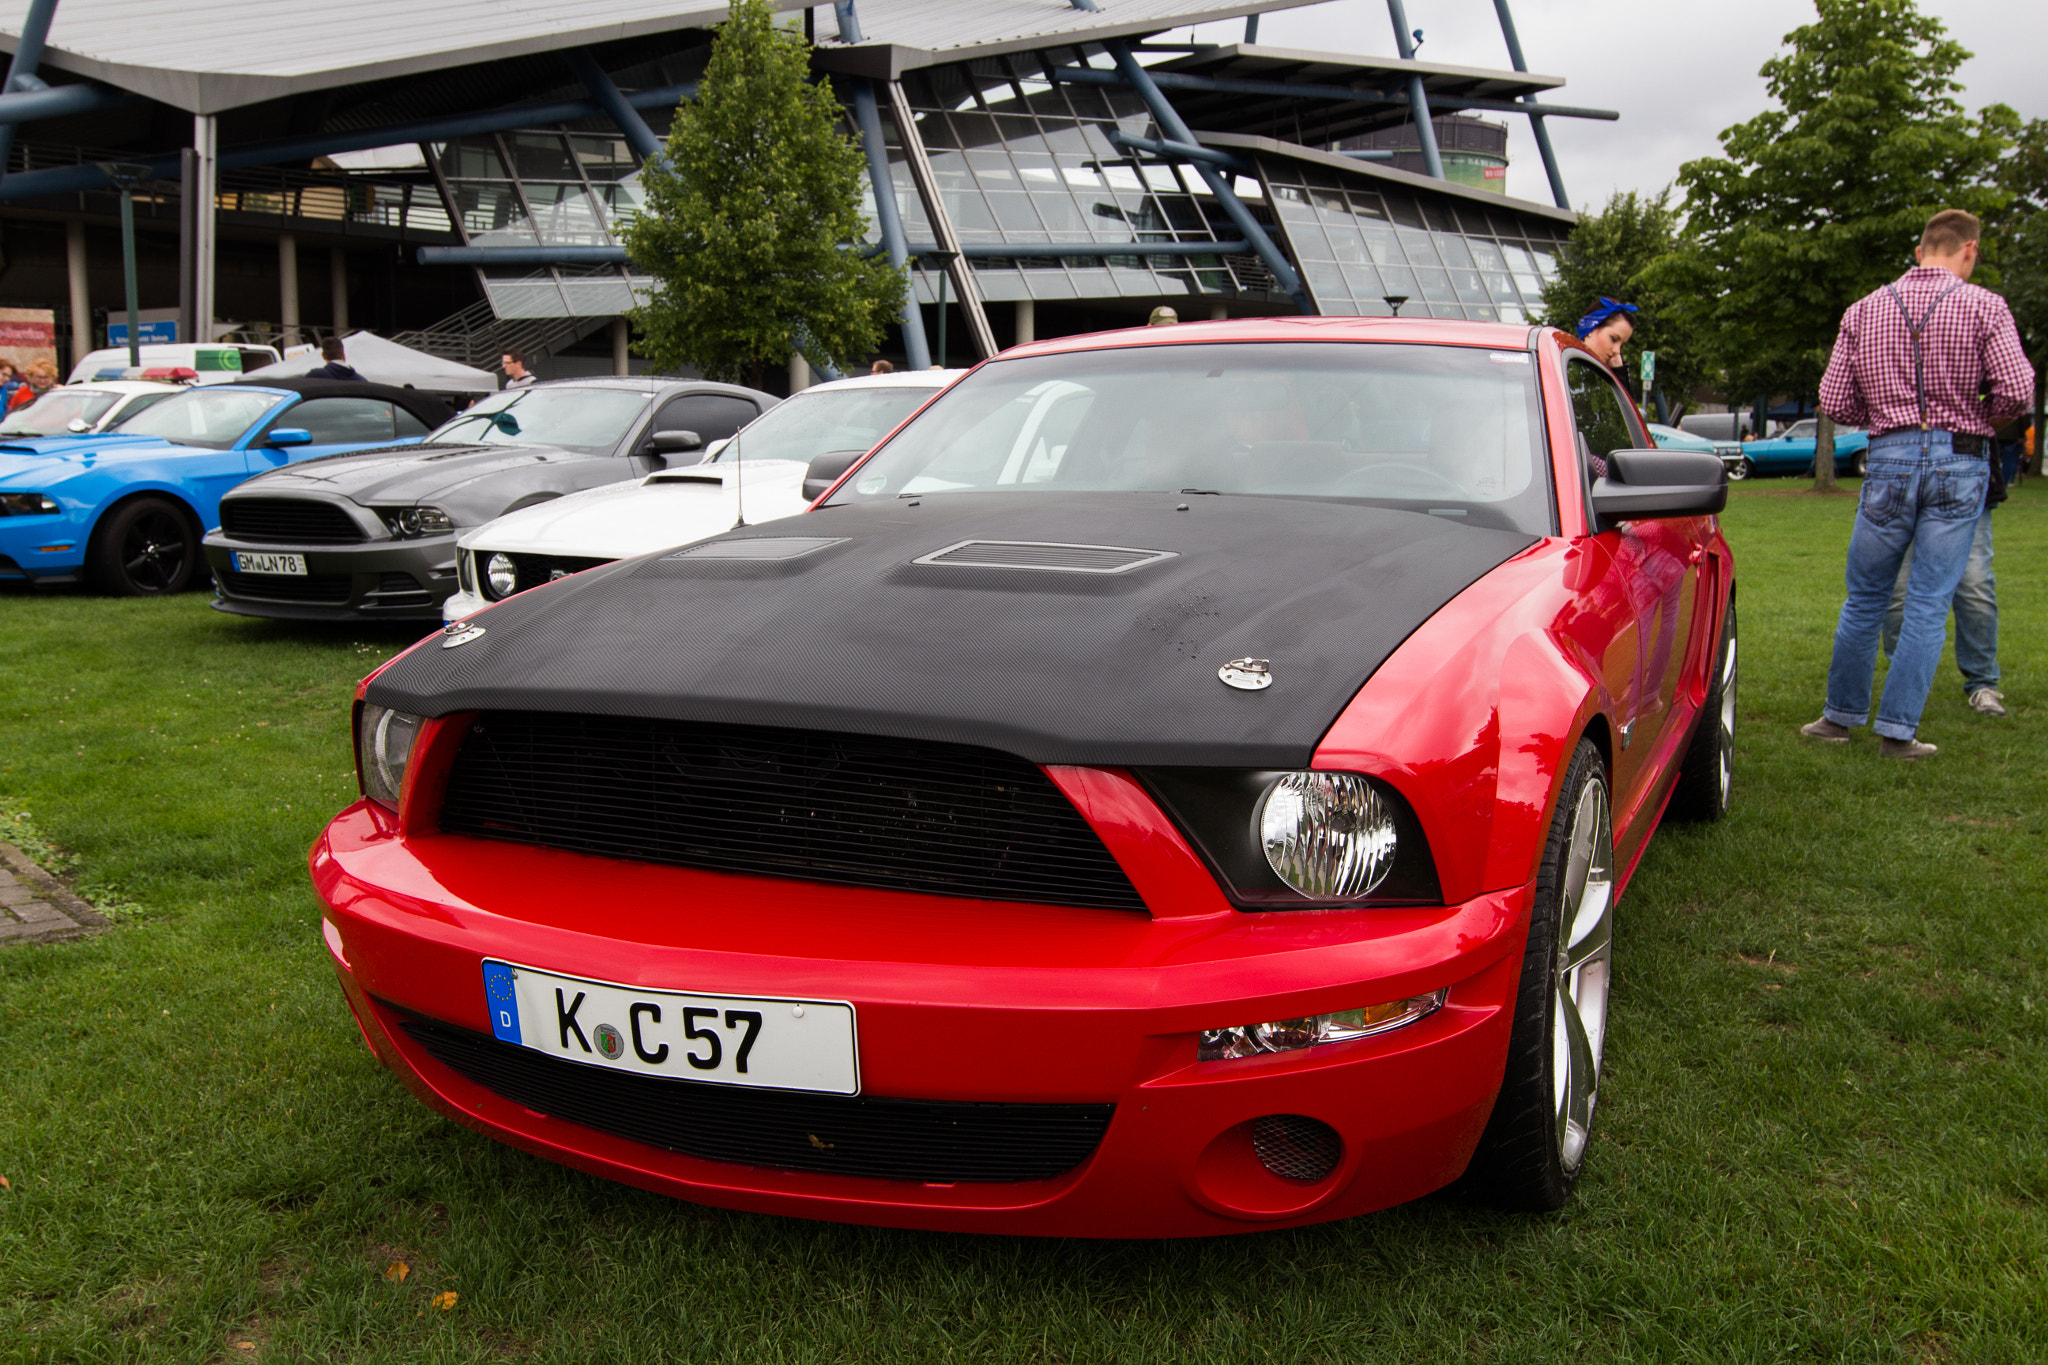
[(502, 576), (1327, 835), (384, 741)]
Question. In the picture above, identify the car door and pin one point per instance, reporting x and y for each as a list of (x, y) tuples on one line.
[(1655, 562), (337, 424)]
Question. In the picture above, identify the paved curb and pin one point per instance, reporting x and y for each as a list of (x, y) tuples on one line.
[(35, 907)]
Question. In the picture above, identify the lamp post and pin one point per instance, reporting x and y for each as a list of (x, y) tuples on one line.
[(1394, 302), (127, 175)]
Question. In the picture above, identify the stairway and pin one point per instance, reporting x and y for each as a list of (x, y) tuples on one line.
[(477, 336)]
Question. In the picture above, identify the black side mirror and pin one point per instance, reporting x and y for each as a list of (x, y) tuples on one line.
[(824, 471), (1660, 483)]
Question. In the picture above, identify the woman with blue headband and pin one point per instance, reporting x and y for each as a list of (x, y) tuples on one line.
[(1607, 329)]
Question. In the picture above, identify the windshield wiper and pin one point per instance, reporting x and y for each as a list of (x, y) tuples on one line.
[(1205, 492)]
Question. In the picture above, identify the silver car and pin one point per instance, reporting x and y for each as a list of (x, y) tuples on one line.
[(371, 535)]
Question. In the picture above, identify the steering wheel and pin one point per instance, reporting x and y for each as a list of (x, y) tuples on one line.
[(1437, 483)]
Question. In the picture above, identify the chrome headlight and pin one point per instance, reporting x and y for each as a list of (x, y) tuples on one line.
[(1327, 835), (410, 523), (384, 741), (27, 505), (501, 576)]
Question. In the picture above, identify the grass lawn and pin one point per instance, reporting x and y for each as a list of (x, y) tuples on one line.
[(1821, 1136)]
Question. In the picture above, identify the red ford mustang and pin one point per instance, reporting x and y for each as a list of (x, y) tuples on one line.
[(1180, 783)]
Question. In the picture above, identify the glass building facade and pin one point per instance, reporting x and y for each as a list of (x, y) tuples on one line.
[(1358, 240)]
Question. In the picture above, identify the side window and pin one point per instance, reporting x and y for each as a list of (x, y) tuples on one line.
[(342, 421), (713, 416), (1599, 414), (138, 404), (407, 424)]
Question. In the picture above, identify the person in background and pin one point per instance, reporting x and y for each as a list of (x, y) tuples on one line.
[(881, 367), (337, 366), (10, 383), (1162, 316), (513, 363), (1912, 363), (41, 376), (1607, 328)]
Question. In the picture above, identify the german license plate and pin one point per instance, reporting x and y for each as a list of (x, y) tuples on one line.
[(264, 562), (767, 1042)]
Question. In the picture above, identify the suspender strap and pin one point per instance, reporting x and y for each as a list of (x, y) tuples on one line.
[(1919, 351)]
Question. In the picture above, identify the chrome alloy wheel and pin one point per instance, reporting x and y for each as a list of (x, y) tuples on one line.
[(1584, 967), (1728, 722)]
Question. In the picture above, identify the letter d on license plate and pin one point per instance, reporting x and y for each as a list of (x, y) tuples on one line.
[(762, 1041)]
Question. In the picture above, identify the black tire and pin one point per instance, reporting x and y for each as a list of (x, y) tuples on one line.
[(1706, 773), (1534, 1145), (1859, 464), (146, 547), (1744, 467)]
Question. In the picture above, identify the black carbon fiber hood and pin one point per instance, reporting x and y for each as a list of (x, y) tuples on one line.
[(1056, 666)]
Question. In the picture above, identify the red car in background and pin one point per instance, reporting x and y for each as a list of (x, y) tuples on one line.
[(1180, 783)]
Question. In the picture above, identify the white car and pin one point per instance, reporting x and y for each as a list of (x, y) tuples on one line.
[(84, 409), (774, 468)]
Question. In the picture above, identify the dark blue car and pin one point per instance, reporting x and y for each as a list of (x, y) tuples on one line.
[(126, 510)]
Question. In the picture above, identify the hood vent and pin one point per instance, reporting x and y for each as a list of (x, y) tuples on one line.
[(1043, 554), (760, 547)]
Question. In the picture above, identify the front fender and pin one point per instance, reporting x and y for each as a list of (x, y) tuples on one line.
[(1476, 715)]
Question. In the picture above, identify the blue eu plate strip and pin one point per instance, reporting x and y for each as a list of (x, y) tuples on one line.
[(504, 1003)]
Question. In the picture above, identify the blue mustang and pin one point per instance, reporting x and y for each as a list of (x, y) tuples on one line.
[(1791, 451), (126, 510)]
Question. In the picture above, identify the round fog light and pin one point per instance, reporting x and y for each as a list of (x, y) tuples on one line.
[(1296, 1147), (1327, 835), (502, 575)]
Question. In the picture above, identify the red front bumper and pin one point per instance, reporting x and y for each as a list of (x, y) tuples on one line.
[(962, 1000)]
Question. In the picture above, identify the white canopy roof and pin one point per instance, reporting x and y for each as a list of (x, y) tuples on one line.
[(387, 362)]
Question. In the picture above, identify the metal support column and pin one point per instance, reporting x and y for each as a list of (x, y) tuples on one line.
[(942, 223), (1418, 98), (337, 285), (1507, 31), (81, 290), (1218, 180), (622, 350), (205, 164), (288, 287), (646, 146), (1027, 322), (21, 70), (868, 119)]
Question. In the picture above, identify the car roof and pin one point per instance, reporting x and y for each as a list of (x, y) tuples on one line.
[(1425, 331), (933, 378), (121, 386), (421, 404), (649, 383)]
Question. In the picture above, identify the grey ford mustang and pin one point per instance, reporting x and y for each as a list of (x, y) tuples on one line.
[(372, 537)]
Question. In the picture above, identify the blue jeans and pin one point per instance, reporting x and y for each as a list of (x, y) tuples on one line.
[(1918, 495), (1976, 608)]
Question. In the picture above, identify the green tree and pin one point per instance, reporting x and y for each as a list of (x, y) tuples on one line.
[(1611, 253), (748, 215), (2019, 239), (1821, 199)]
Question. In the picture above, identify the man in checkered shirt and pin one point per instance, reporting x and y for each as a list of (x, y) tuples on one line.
[(1910, 364)]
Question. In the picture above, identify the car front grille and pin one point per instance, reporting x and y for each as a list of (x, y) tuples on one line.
[(533, 570), (862, 1135), (319, 589), (851, 810), (398, 590), (288, 521)]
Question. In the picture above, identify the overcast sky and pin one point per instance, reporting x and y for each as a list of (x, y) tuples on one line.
[(1678, 72)]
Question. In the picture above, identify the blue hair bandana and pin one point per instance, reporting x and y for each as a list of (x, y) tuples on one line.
[(1602, 311)]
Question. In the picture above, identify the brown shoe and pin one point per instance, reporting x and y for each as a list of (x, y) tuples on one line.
[(1905, 748), (1827, 730)]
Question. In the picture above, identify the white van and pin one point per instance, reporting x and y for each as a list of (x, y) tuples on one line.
[(215, 363)]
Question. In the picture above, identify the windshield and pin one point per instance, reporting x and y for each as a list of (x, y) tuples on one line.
[(591, 420), (820, 421), (214, 417), (1453, 431), (1801, 431), (55, 411)]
